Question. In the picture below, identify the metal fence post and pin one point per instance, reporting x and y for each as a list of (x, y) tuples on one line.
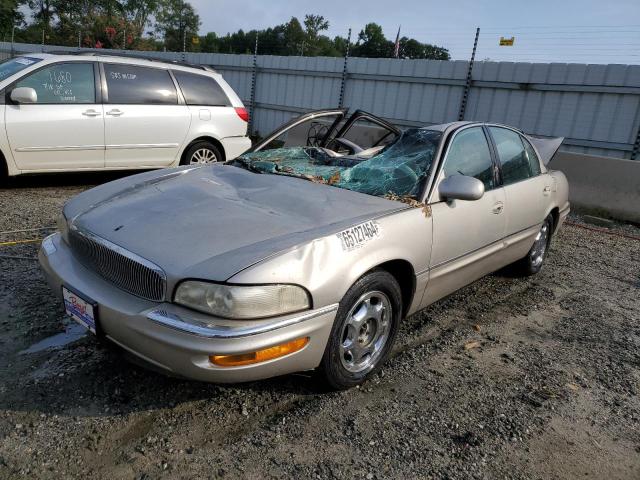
[(343, 82), (467, 87), (636, 145), (254, 74)]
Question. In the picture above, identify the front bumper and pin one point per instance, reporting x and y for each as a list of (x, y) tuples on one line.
[(179, 340)]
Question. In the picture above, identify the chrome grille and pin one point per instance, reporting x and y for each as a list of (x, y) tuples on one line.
[(123, 269)]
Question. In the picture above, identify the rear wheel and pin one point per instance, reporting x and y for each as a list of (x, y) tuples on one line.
[(364, 330), (532, 263), (202, 153)]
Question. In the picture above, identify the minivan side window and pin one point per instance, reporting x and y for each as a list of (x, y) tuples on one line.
[(130, 84), (201, 90), (469, 155), (513, 158), (62, 83)]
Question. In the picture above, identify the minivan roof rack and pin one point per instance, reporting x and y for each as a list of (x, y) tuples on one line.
[(207, 68)]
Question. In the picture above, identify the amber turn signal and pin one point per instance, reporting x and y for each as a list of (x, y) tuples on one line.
[(259, 356)]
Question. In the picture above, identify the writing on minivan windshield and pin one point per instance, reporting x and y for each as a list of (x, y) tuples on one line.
[(397, 171)]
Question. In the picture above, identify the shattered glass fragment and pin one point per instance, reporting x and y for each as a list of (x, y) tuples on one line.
[(397, 172)]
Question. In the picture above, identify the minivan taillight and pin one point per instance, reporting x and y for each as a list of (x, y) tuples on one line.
[(242, 113)]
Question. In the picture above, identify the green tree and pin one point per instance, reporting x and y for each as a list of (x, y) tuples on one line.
[(314, 24), (43, 10), (411, 48), (436, 53), (176, 20), (10, 16), (295, 39), (210, 43), (316, 44), (372, 43)]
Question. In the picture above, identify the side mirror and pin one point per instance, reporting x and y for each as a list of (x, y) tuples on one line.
[(24, 95), (461, 187)]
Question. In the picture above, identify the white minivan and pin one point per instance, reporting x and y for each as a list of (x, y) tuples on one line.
[(95, 112)]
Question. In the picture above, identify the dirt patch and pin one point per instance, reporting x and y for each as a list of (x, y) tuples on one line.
[(546, 388)]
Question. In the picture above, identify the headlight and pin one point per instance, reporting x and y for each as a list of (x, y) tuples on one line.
[(63, 226), (242, 301)]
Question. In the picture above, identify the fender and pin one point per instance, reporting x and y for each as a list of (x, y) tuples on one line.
[(326, 267)]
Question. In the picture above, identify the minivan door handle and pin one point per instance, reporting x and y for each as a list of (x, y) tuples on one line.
[(91, 113), (115, 112), (497, 208)]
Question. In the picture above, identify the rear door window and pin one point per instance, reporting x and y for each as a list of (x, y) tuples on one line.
[(469, 155), (63, 83), (201, 90), (308, 133), (130, 84), (511, 153), (366, 134)]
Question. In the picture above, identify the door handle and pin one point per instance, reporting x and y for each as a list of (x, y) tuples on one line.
[(546, 190), (91, 113), (498, 208), (115, 112)]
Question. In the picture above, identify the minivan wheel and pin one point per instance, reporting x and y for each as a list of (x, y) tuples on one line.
[(532, 263), (202, 153), (363, 331)]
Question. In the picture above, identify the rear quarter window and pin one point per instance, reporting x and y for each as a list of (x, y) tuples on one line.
[(201, 90), (534, 161)]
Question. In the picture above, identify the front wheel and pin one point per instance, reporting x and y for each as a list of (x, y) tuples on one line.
[(532, 263), (364, 330)]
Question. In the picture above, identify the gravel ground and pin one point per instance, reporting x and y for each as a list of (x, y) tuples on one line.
[(508, 378)]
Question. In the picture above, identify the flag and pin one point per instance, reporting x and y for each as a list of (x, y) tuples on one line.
[(396, 48)]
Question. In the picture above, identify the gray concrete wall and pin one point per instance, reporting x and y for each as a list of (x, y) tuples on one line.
[(603, 186)]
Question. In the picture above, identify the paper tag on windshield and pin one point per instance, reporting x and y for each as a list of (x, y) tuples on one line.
[(357, 236), (24, 61)]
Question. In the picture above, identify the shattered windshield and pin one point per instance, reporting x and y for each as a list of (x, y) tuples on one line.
[(397, 171)]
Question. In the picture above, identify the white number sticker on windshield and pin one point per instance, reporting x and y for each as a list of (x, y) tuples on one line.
[(357, 236), (25, 61)]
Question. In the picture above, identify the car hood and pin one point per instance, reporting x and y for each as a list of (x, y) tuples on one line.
[(212, 222)]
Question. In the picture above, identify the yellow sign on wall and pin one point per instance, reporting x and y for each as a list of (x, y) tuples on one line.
[(507, 42)]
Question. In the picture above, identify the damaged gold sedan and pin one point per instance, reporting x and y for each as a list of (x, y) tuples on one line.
[(306, 252)]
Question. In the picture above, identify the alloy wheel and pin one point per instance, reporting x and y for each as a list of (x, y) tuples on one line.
[(366, 331), (540, 245), (203, 156)]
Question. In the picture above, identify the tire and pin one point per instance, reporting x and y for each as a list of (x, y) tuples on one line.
[(363, 331), (202, 153), (533, 261), (4, 171)]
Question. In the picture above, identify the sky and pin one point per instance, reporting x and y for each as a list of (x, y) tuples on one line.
[(583, 31)]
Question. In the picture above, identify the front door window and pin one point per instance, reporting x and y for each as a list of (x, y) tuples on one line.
[(63, 83), (469, 155)]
